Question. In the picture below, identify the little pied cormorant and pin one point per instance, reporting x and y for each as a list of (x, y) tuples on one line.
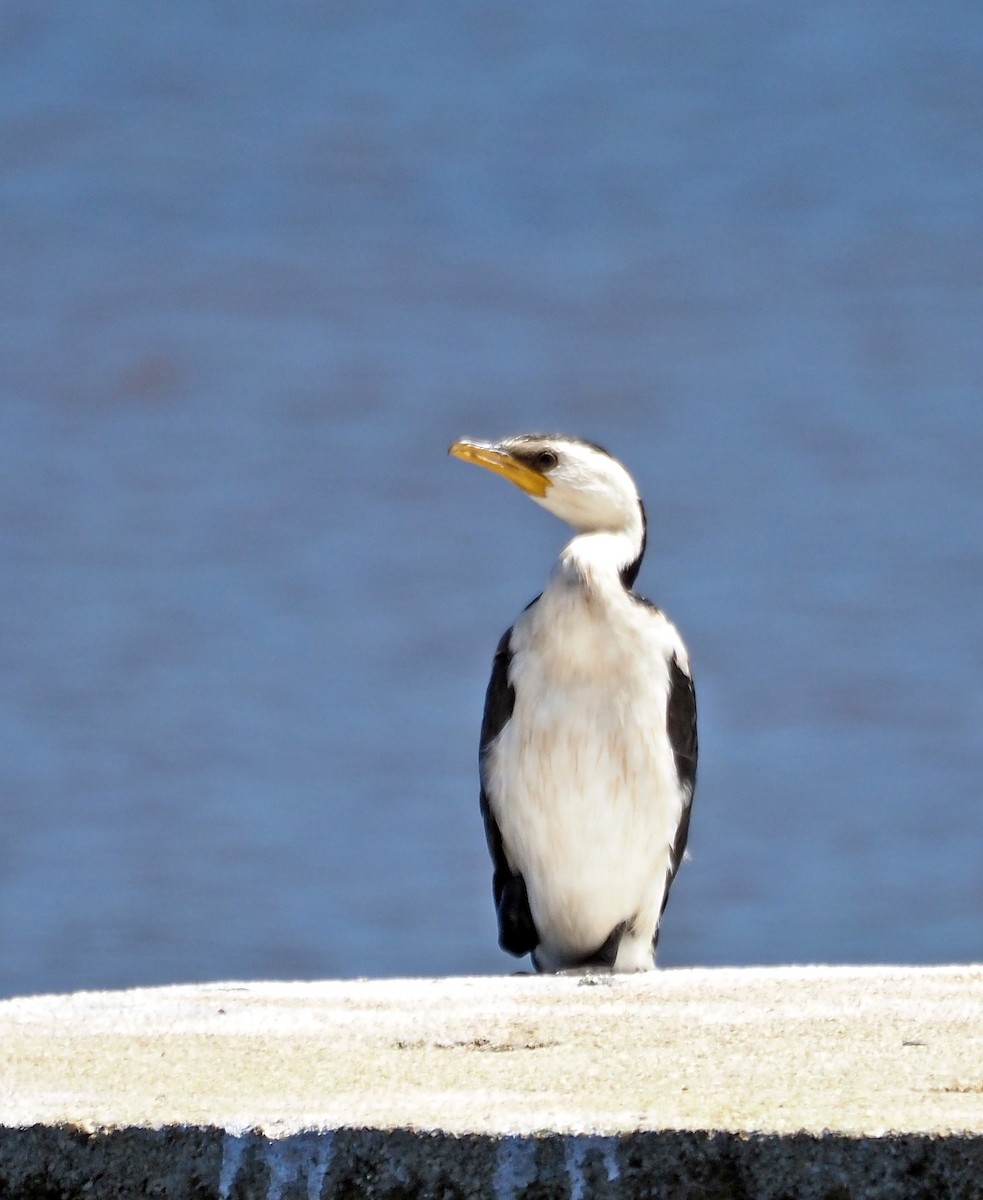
[(588, 741)]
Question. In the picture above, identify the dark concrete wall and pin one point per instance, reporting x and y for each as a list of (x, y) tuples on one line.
[(183, 1163)]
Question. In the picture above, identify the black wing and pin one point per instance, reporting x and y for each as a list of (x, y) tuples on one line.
[(516, 929), (681, 724), (681, 727)]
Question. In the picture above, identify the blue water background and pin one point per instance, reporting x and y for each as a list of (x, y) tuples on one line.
[(259, 265)]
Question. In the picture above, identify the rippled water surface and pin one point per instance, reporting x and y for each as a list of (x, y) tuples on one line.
[(259, 269)]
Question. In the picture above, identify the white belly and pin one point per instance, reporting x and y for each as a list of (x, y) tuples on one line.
[(582, 779)]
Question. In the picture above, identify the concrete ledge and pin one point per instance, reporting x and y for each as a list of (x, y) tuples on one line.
[(820, 1082)]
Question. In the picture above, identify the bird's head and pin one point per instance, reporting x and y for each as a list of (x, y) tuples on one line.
[(575, 480)]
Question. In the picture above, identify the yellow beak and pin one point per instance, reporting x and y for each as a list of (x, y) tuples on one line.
[(502, 463)]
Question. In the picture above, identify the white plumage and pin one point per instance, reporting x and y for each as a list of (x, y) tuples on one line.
[(589, 740)]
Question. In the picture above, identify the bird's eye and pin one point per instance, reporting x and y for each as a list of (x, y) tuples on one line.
[(546, 460)]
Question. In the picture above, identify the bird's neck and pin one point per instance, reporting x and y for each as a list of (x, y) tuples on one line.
[(604, 558)]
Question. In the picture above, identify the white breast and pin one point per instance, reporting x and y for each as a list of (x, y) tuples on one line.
[(582, 779)]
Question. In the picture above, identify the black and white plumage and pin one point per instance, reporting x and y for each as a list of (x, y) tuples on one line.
[(588, 742)]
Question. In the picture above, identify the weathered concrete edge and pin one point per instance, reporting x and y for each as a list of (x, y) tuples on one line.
[(205, 1163)]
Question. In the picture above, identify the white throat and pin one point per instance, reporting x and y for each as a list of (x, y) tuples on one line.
[(599, 554)]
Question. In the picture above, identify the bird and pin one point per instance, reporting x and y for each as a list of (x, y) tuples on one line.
[(588, 745)]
